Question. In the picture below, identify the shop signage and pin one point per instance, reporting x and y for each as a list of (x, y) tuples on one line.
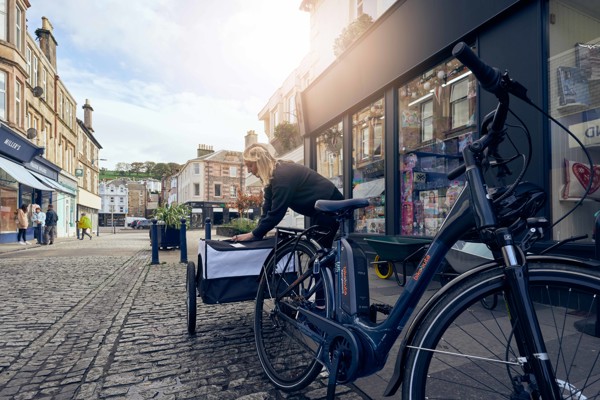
[(588, 132), (13, 145)]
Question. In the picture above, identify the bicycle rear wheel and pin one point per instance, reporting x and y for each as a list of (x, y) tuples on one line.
[(462, 350), (288, 357)]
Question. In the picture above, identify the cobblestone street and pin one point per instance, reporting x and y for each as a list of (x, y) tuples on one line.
[(93, 319)]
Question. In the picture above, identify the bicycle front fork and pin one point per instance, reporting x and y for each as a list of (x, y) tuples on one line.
[(528, 334)]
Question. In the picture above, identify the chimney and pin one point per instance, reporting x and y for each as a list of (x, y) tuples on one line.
[(204, 149), (47, 42), (251, 138), (87, 115)]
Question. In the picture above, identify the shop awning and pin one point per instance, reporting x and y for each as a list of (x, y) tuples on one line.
[(53, 184), (22, 175), (372, 188)]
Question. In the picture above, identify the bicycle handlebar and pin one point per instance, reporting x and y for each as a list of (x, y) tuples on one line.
[(489, 78)]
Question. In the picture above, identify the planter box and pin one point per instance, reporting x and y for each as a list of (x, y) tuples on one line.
[(167, 237), (228, 231)]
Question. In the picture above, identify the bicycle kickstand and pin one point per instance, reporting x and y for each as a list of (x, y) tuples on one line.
[(331, 384)]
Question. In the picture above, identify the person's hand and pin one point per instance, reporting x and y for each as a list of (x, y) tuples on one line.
[(243, 237)]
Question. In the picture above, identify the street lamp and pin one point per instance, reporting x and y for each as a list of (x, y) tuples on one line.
[(98, 159)]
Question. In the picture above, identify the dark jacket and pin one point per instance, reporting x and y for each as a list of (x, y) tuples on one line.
[(294, 186), (51, 218)]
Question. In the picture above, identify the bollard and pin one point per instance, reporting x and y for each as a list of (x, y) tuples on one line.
[(182, 242), (207, 229), (154, 240)]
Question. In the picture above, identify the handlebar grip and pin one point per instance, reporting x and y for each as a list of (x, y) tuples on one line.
[(488, 77), (456, 172)]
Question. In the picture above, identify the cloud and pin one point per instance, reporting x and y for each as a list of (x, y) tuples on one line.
[(165, 76)]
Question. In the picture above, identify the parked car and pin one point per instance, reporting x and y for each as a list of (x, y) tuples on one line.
[(134, 223), (144, 224)]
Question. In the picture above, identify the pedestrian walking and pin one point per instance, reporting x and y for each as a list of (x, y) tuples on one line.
[(39, 223), (22, 225), (84, 224), (51, 220)]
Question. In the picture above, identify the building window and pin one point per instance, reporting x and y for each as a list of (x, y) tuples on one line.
[(18, 104), (112, 199), (233, 172), (574, 100), (45, 83), (233, 191), (196, 189), (217, 190), (3, 95), (3, 20), (367, 165), (19, 28), (196, 168), (459, 103), (28, 60), (120, 199), (292, 109), (427, 121), (35, 71)]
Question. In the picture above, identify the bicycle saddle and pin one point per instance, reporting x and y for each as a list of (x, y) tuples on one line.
[(340, 206)]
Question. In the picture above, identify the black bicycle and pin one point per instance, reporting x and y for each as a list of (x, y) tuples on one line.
[(312, 306)]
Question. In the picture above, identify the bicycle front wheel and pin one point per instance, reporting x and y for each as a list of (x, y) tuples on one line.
[(287, 356), (463, 350)]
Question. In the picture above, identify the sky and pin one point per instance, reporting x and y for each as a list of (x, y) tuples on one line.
[(164, 76)]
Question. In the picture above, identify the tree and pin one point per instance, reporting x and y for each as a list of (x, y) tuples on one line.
[(245, 201), (137, 167), (288, 136), (149, 166), (123, 167)]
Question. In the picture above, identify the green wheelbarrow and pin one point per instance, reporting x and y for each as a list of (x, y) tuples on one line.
[(396, 249)]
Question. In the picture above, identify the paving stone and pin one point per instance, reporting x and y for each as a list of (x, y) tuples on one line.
[(97, 321)]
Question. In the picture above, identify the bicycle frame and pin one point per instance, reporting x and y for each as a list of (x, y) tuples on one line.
[(473, 209)]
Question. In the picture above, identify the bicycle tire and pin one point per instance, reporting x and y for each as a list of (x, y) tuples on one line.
[(566, 301), (288, 361)]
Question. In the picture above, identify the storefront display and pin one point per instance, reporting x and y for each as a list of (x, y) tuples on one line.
[(437, 113), (330, 156), (368, 167), (574, 85)]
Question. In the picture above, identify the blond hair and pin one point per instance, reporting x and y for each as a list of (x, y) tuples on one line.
[(265, 162)]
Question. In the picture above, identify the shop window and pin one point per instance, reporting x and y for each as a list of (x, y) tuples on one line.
[(368, 181), (329, 154), (8, 203), (436, 112), (574, 100)]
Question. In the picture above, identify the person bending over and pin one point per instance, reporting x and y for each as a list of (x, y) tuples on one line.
[(287, 184)]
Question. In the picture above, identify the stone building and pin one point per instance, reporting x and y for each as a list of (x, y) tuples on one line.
[(209, 183), (39, 145)]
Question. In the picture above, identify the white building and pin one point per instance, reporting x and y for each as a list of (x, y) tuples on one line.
[(114, 198)]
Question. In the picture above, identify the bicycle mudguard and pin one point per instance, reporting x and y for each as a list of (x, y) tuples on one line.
[(396, 379)]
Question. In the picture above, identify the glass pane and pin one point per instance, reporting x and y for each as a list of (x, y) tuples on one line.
[(433, 131), (574, 100), (330, 155), (368, 137)]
